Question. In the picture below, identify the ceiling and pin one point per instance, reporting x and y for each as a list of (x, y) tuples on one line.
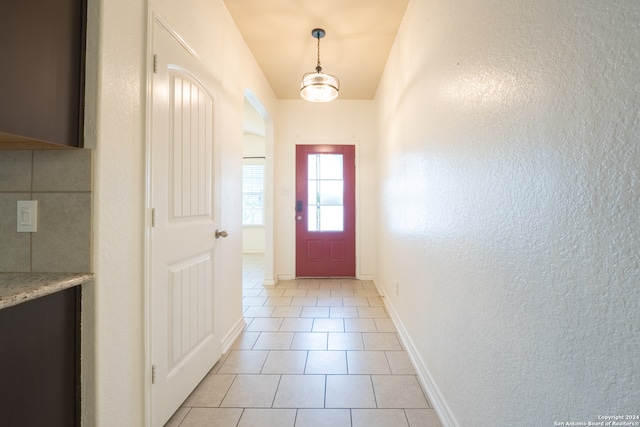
[(359, 36)]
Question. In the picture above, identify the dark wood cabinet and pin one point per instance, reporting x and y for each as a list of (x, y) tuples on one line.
[(42, 45), (39, 361)]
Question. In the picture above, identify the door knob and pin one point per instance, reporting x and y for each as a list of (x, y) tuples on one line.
[(221, 233)]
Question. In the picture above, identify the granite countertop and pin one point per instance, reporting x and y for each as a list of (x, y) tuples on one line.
[(16, 288)]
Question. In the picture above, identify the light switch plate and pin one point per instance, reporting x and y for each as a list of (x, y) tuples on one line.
[(27, 216)]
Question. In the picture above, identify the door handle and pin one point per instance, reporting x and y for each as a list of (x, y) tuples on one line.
[(221, 233), (299, 209)]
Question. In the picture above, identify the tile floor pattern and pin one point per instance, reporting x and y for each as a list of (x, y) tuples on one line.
[(314, 353)]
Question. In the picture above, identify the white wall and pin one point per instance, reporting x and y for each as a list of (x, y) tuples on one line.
[(253, 145), (338, 122), (508, 161), (113, 364)]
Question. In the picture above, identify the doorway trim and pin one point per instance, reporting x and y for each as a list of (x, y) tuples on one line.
[(292, 219)]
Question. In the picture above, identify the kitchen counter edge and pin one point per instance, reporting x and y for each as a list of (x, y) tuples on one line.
[(16, 288)]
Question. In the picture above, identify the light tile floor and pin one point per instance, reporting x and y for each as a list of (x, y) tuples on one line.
[(314, 353)]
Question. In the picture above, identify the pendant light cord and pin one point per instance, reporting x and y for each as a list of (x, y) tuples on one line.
[(318, 67)]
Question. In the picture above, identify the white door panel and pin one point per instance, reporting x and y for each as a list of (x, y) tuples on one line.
[(184, 178)]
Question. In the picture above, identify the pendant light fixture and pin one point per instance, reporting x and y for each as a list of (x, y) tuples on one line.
[(319, 87)]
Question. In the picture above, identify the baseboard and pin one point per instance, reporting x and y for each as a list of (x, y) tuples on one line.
[(365, 277), (233, 334), (269, 283), (380, 291), (426, 380), (285, 277)]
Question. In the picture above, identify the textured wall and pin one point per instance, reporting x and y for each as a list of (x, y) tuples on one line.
[(113, 368), (508, 162)]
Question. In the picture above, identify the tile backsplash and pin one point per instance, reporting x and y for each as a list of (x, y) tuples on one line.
[(60, 180)]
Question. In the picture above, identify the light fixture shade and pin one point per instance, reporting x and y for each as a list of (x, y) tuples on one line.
[(319, 87)]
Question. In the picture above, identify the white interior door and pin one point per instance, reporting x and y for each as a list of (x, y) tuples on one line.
[(184, 176)]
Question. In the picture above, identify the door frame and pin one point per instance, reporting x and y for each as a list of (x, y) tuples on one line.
[(147, 377), (292, 219)]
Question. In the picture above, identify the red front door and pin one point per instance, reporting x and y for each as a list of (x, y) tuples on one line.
[(325, 211)]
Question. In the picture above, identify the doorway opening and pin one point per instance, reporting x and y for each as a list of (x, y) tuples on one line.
[(257, 191)]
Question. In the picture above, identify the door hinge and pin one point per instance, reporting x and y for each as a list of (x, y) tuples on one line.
[(155, 63), (153, 217), (153, 374)]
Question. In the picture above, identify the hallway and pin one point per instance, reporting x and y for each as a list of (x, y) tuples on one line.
[(315, 352)]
